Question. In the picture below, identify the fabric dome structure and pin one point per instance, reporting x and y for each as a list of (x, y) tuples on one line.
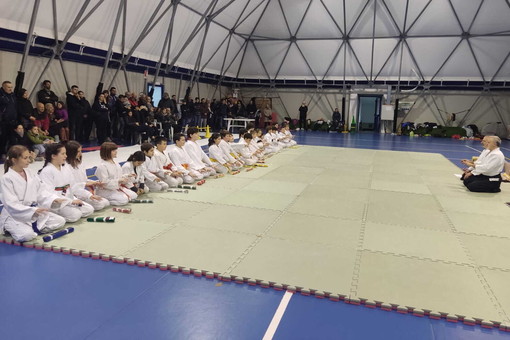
[(421, 45)]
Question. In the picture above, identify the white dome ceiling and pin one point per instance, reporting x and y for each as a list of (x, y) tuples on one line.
[(319, 40)]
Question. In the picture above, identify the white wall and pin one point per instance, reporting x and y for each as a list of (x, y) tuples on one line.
[(87, 78), (287, 101)]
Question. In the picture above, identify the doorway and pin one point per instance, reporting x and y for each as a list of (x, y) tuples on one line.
[(369, 112)]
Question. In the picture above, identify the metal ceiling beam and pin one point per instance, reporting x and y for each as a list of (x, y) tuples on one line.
[(464, 119), (387, 60), (357, 60), (402, 50), (201, 23), (28, 41), (247, 16), (417, 18), (249, 39), (501, 117), (260, 59), (112, 39), (415, 36), (284, 17), (456, 16), (476, 15), (333, 60), (168, 41), (391, 17), (58, 48), (414, 60), (358, 17), (332, 17), (306, 61), (446, 60), (222, 75), (55, 21), (149, 26), (499, 68), (229, 36), (283, 60), (170, 34), (373, 42), (202, 44), (200, 14), (476, 60), (303, 18)]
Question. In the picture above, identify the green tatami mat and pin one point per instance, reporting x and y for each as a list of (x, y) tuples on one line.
[(396, 227)]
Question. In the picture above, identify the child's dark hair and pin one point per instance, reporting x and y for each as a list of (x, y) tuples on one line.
[(242, 131), (160, 139), (138, 156), (177, 137), (247, 136), (213, 137), (146, 147), (106, 150), (191, 131), (72, 148), (250, 126), (224, 133), (14, 152), (51, 150)]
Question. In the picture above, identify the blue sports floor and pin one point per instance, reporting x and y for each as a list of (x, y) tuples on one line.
[(52, 296)]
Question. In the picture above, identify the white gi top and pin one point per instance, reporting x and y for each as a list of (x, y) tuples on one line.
[(216, 153), (491, 164), (58, 180), (157, 163), (227, 150), (180, 159), (197, 155), (79, 181), (109, 174), (22, 198), (128, 169)]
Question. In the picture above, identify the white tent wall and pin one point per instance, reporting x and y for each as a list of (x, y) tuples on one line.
[(488, 108), (87, 78)]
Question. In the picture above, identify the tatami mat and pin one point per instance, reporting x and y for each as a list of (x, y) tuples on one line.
[(396, 227)]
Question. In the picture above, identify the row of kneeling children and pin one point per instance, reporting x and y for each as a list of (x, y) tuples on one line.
[(62, 192)]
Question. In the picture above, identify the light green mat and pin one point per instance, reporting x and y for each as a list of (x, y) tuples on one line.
[(395, 227)]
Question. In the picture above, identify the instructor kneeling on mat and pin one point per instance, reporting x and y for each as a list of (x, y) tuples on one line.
[(485, 176)]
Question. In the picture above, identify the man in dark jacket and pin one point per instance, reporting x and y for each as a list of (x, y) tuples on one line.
[(8, 113), (88, 120), (303, 110), (46, 95), (74, 108)]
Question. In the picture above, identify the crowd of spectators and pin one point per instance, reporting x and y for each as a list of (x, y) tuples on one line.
[(126, 118)]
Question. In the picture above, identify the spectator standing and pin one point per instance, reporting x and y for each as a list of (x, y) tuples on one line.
[(303, 110), (46, 95), (75, 112), (8, 114), (25, 109)]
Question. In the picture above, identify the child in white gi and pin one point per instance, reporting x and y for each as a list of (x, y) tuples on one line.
[(218, 159), (56, 174), (152, 182), (182, 161), (134, 173), (81, 187), (26, 200), (162, 167), (200, 161), (110, 175), (247, 155)]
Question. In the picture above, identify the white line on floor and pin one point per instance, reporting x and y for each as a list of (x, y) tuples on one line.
[(472, 148), (277, 317)]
